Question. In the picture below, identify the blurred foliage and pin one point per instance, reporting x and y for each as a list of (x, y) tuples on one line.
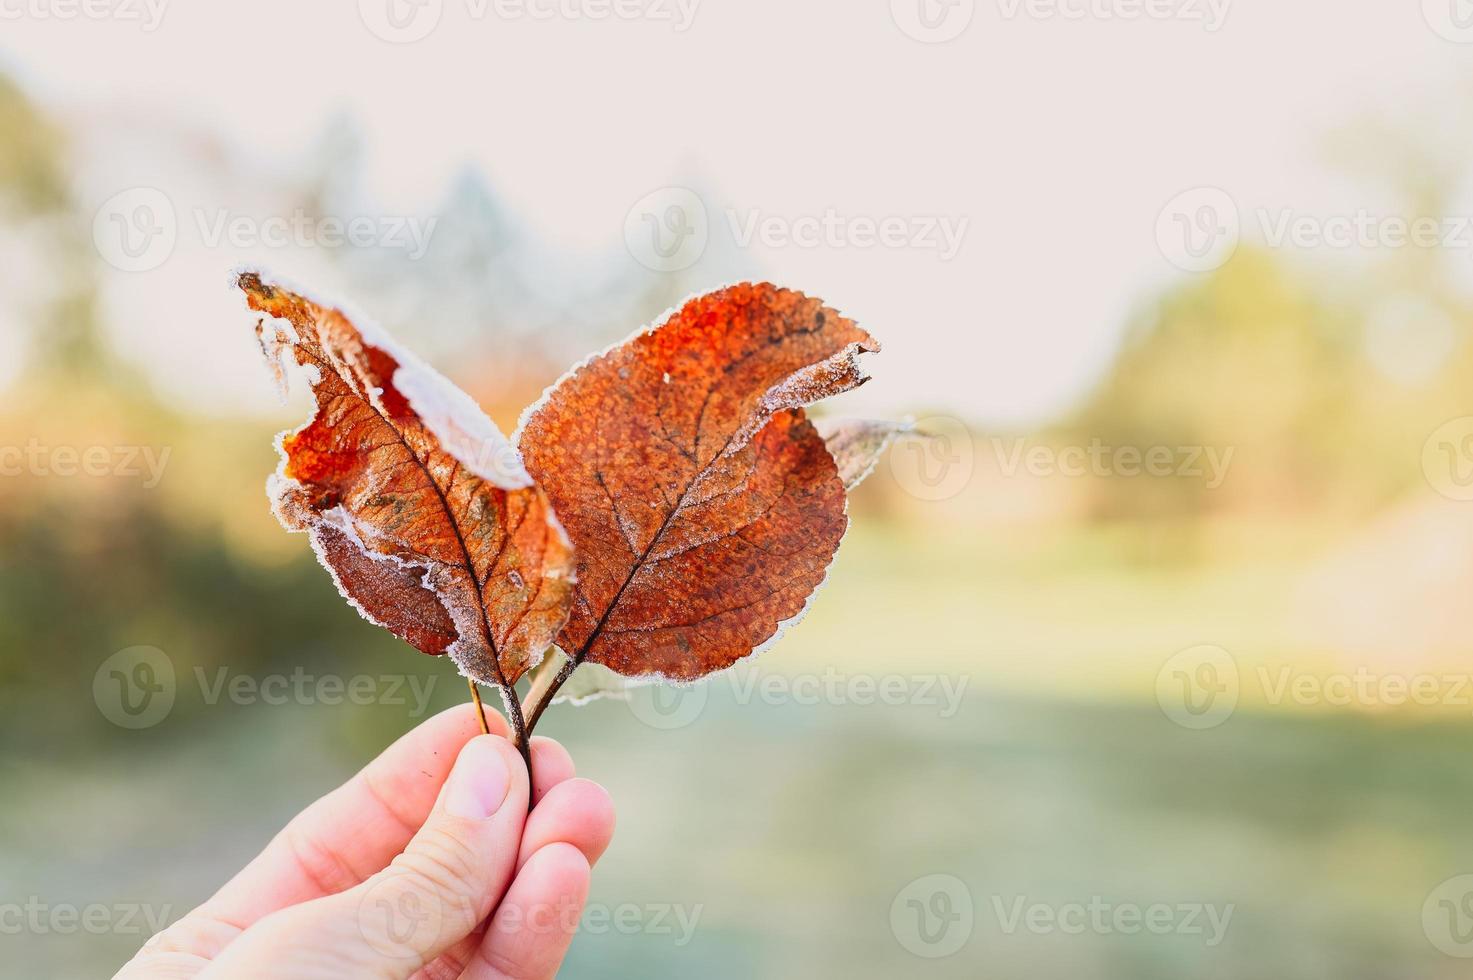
[(31, 178)]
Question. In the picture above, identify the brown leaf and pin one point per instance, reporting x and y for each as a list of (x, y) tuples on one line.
[(858, 444), (418, 507), (703, 504)]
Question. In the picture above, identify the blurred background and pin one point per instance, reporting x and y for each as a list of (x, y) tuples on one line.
[(1154, 662)]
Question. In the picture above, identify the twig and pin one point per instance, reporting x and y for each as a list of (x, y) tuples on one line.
[(480, 708), (521, 735), (547, 692)]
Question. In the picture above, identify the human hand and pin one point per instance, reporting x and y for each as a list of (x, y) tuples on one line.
[(426, 864)]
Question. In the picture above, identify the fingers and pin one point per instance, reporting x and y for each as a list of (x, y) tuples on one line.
[(335, 843), (577, 812), (531, 931), (357, 829), (551, 765), (452, 873)]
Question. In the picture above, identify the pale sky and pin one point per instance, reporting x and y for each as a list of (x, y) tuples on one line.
[(1056, 131)]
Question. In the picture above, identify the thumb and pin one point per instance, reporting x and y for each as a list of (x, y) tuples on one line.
[(451, 876)]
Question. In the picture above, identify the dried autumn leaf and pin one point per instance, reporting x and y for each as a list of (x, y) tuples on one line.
[(704, 506), (418, 507), (858, 444)]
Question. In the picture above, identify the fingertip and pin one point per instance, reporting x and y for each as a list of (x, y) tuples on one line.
[(561, 868), (462, 718), (595, 809), (578, 812), (551, 765), (531, 930)]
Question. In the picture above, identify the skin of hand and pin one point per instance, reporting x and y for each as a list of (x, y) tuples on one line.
[(426, 864)]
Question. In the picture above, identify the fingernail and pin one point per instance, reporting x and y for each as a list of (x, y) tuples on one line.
[(478, 783)]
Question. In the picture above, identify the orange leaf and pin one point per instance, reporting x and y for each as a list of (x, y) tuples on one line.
[(418, 507), (704, 506)]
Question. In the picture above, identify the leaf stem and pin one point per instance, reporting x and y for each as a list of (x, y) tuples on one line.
[(544, 697), (521, 735), (480, 708)]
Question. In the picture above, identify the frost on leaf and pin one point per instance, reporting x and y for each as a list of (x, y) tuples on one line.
[(704, 505), (414, 502), (858, 444)]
